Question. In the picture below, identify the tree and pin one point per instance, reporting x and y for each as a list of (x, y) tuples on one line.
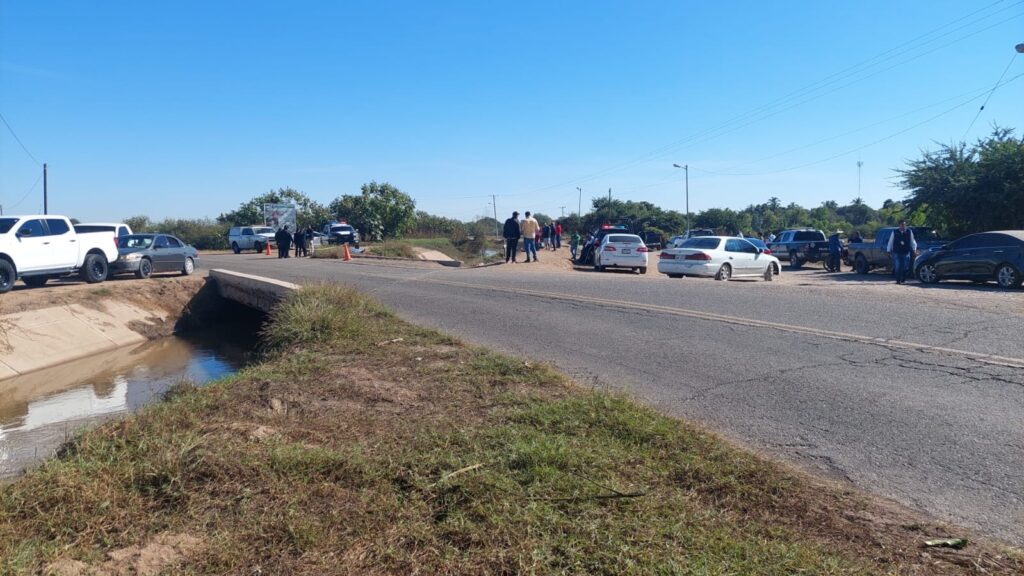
[(308, 212), (138, 223), (963, 189), (381, 210)]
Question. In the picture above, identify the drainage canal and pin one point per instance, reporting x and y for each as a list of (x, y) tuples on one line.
[(41, 410)]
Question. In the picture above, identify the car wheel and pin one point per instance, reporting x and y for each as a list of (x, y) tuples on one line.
[(768, 275), (724, 273), (7, 276), (1007, 276), (258, 246), (145, 268), (190, 267), (35, 281), (794, 261), (860, 264), (94, 269), (926, 274), (675, 275), (643, 269), (235, 248)]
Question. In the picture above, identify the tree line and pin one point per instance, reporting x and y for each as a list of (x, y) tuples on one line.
[(956, 189)]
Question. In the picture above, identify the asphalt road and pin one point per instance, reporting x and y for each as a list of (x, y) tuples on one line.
[(917, 400)]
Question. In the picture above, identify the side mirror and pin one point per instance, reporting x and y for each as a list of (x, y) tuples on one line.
[(25, 232)]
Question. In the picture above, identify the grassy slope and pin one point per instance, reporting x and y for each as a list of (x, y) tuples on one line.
[(366, 445)]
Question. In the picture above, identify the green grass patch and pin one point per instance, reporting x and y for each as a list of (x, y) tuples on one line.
[(363, 444)]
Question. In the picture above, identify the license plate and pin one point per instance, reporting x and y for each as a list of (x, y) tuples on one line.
[(625, 250)]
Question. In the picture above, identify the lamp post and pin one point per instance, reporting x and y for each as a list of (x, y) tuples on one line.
[(686, 167), (579, 206)]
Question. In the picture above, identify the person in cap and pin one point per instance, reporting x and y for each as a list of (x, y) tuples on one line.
[(900, 247), (511, 234)]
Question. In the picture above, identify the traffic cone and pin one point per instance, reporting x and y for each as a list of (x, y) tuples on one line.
[(348, 255), (268, 248)]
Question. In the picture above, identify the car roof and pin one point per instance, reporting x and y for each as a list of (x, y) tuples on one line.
[(1018, 234), (101, 224)]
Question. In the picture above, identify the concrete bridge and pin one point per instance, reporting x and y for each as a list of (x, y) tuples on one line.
[(253, 291)]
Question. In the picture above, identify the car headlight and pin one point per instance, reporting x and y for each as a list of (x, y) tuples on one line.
[(132, 257)]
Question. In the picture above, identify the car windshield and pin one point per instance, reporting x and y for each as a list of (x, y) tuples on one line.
[(263, 230), (704, 243), (6, 224), (623, 239), (335, 229), (134, 241)]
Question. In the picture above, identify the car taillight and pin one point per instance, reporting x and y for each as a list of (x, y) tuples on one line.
[(115, 241), (643, 249), (698, 256), (667, 256), (609, 248), (767, 251)]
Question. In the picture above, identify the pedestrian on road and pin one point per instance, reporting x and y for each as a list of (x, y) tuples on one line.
[(901, 246), (300, 244), (511, 234), (558, 234), (530, 230), (545, 236), (574, 243), (835, 252), (284, 242), (308, 236)]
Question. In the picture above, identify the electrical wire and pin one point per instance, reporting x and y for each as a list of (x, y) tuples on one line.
[(18, 203), (18, 140), (985, 103)]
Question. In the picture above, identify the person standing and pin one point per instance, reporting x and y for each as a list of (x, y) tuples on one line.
[(511, 234), (308, 236), (901, 246), (574, 243), (284, 242), (545, 236), (835, 252), (300, 244), (558, 234), (530, 229)]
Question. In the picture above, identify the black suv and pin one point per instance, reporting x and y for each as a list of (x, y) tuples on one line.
[(799, 246)]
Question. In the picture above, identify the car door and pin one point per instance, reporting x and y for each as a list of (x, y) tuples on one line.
[(34, 247), (738, 257), (986, 254), (954, 261), (246, 242), (160, 254), (175, 254), (63, 243)]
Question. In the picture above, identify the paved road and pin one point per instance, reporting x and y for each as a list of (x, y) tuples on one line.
[(911, 398)]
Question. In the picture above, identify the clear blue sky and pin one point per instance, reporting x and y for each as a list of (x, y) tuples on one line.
[(187, 109)]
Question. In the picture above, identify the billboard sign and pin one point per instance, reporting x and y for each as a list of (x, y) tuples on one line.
[(278, 215)]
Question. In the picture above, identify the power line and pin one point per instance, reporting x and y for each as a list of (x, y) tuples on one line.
[(30, 190), (985, 103), (18, 140)]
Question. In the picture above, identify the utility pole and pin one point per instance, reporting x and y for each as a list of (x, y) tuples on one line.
[(563, 212), (686, 167), (609, 195), (45, 206), (579, 207), (494, 203), (859, 164)]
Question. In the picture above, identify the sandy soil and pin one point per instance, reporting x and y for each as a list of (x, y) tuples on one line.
[(167, 292)]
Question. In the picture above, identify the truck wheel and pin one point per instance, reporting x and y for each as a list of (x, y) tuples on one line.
[(794, 261), (35, 281), (94, 269), (258, 247), (235, 248), (190, 267), (7, 276), (860, 264), (145, 269)]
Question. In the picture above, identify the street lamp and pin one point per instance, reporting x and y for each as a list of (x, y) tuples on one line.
[(686, 167), (579, 206)]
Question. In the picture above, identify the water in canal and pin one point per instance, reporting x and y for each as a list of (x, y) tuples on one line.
[(41, 410)]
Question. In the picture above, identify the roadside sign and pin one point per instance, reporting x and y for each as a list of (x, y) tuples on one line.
[(278, 215)]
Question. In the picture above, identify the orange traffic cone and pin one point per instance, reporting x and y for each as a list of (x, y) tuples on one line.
[(348, 255), (268, 248)]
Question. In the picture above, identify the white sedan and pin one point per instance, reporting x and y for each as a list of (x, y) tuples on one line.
[(721, 257), (621, 251)]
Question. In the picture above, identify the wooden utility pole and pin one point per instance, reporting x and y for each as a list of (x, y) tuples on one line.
[(45, 199), (494, 204)]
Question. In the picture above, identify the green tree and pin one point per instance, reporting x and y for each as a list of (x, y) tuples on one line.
[(309, 212), (963, 189), (380, 210)]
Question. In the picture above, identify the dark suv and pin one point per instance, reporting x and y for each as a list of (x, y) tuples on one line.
[(799, 246)]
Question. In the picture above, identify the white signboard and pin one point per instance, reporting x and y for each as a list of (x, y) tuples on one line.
[(278, 215)]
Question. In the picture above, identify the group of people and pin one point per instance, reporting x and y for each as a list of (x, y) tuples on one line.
[(534, 235), (901, 248), (302, 239)]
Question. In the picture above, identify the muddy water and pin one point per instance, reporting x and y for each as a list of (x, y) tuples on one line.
[(41, 410)]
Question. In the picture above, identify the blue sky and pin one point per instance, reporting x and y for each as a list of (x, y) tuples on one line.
[(187, 109)]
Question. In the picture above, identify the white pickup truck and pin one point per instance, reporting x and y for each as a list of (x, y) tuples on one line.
[(37, 248)]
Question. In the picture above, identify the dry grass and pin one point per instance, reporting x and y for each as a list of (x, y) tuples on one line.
[(365, 445)]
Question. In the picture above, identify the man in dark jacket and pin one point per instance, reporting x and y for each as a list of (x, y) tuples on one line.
[(284, 242), (901, 247), (511, 234)]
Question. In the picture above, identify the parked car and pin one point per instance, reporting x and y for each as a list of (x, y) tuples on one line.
[(621, 251), (251, 238), (799, 246), (36, 248), (115, 229), (342, 233), (868, 255), (720, 257), (147, 254), (979, 257)]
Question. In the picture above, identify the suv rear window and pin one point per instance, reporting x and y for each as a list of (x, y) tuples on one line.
[(704, 243), (809, 236), (263, 230)]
